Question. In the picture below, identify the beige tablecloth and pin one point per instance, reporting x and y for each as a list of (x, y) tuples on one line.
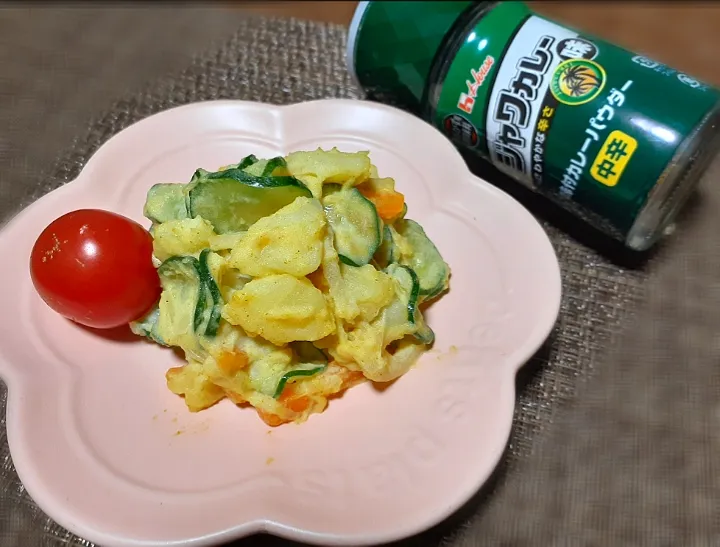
[(615, 437)]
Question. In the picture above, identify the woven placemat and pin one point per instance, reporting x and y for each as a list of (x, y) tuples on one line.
[(277, 61)]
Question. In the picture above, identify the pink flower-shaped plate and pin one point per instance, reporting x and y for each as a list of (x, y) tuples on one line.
[(107, 451)]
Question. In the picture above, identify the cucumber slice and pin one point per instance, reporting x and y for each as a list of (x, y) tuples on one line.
[(302, 370), (308, 353), (165, 202), (187, 279), (244, 164), (233, 200), (199, 174), (247, 161), (185, 299), (256, 169), (356, 225), (213, 299), (426, 261), (273, 164), (399, 316), (384, 254), (425, 334), (260, 168), (410, 287), (408, 281), (147, 326), (312, 361)]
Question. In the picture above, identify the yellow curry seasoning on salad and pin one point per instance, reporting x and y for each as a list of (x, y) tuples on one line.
[(288, 280)]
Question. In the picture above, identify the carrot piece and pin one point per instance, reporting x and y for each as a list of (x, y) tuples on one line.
[(232, 362), (287, 393), (300, 404), (294, 402), (235, 397), (389, 203), (270, 419)]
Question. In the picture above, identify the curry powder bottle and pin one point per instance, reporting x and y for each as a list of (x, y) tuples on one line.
[(617, 139)]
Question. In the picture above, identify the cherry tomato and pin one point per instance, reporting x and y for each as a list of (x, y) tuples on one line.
[(95, 268)]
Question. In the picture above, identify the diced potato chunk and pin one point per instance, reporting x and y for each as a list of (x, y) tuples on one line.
[(181, 237), (191, 382), (365, 291), (175, 322), (319, 167), (377, 185), (225, 242), (289, 241), (363, 348), (281, 309), (358, 293), (403, 248)]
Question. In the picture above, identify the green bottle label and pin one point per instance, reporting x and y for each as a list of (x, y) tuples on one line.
[(568, 114)]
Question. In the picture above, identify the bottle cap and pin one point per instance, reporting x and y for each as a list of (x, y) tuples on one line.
[(391, 47)]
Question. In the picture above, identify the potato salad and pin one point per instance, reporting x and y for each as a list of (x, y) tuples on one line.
[(288, 280)]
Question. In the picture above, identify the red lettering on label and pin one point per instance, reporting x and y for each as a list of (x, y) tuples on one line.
[(472, 88), (481, 74), (466, 102)]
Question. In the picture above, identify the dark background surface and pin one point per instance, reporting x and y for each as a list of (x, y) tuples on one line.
[(684, 35)]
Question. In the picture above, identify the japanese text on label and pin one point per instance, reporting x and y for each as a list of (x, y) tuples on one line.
[(514, 108), (617, 151)]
